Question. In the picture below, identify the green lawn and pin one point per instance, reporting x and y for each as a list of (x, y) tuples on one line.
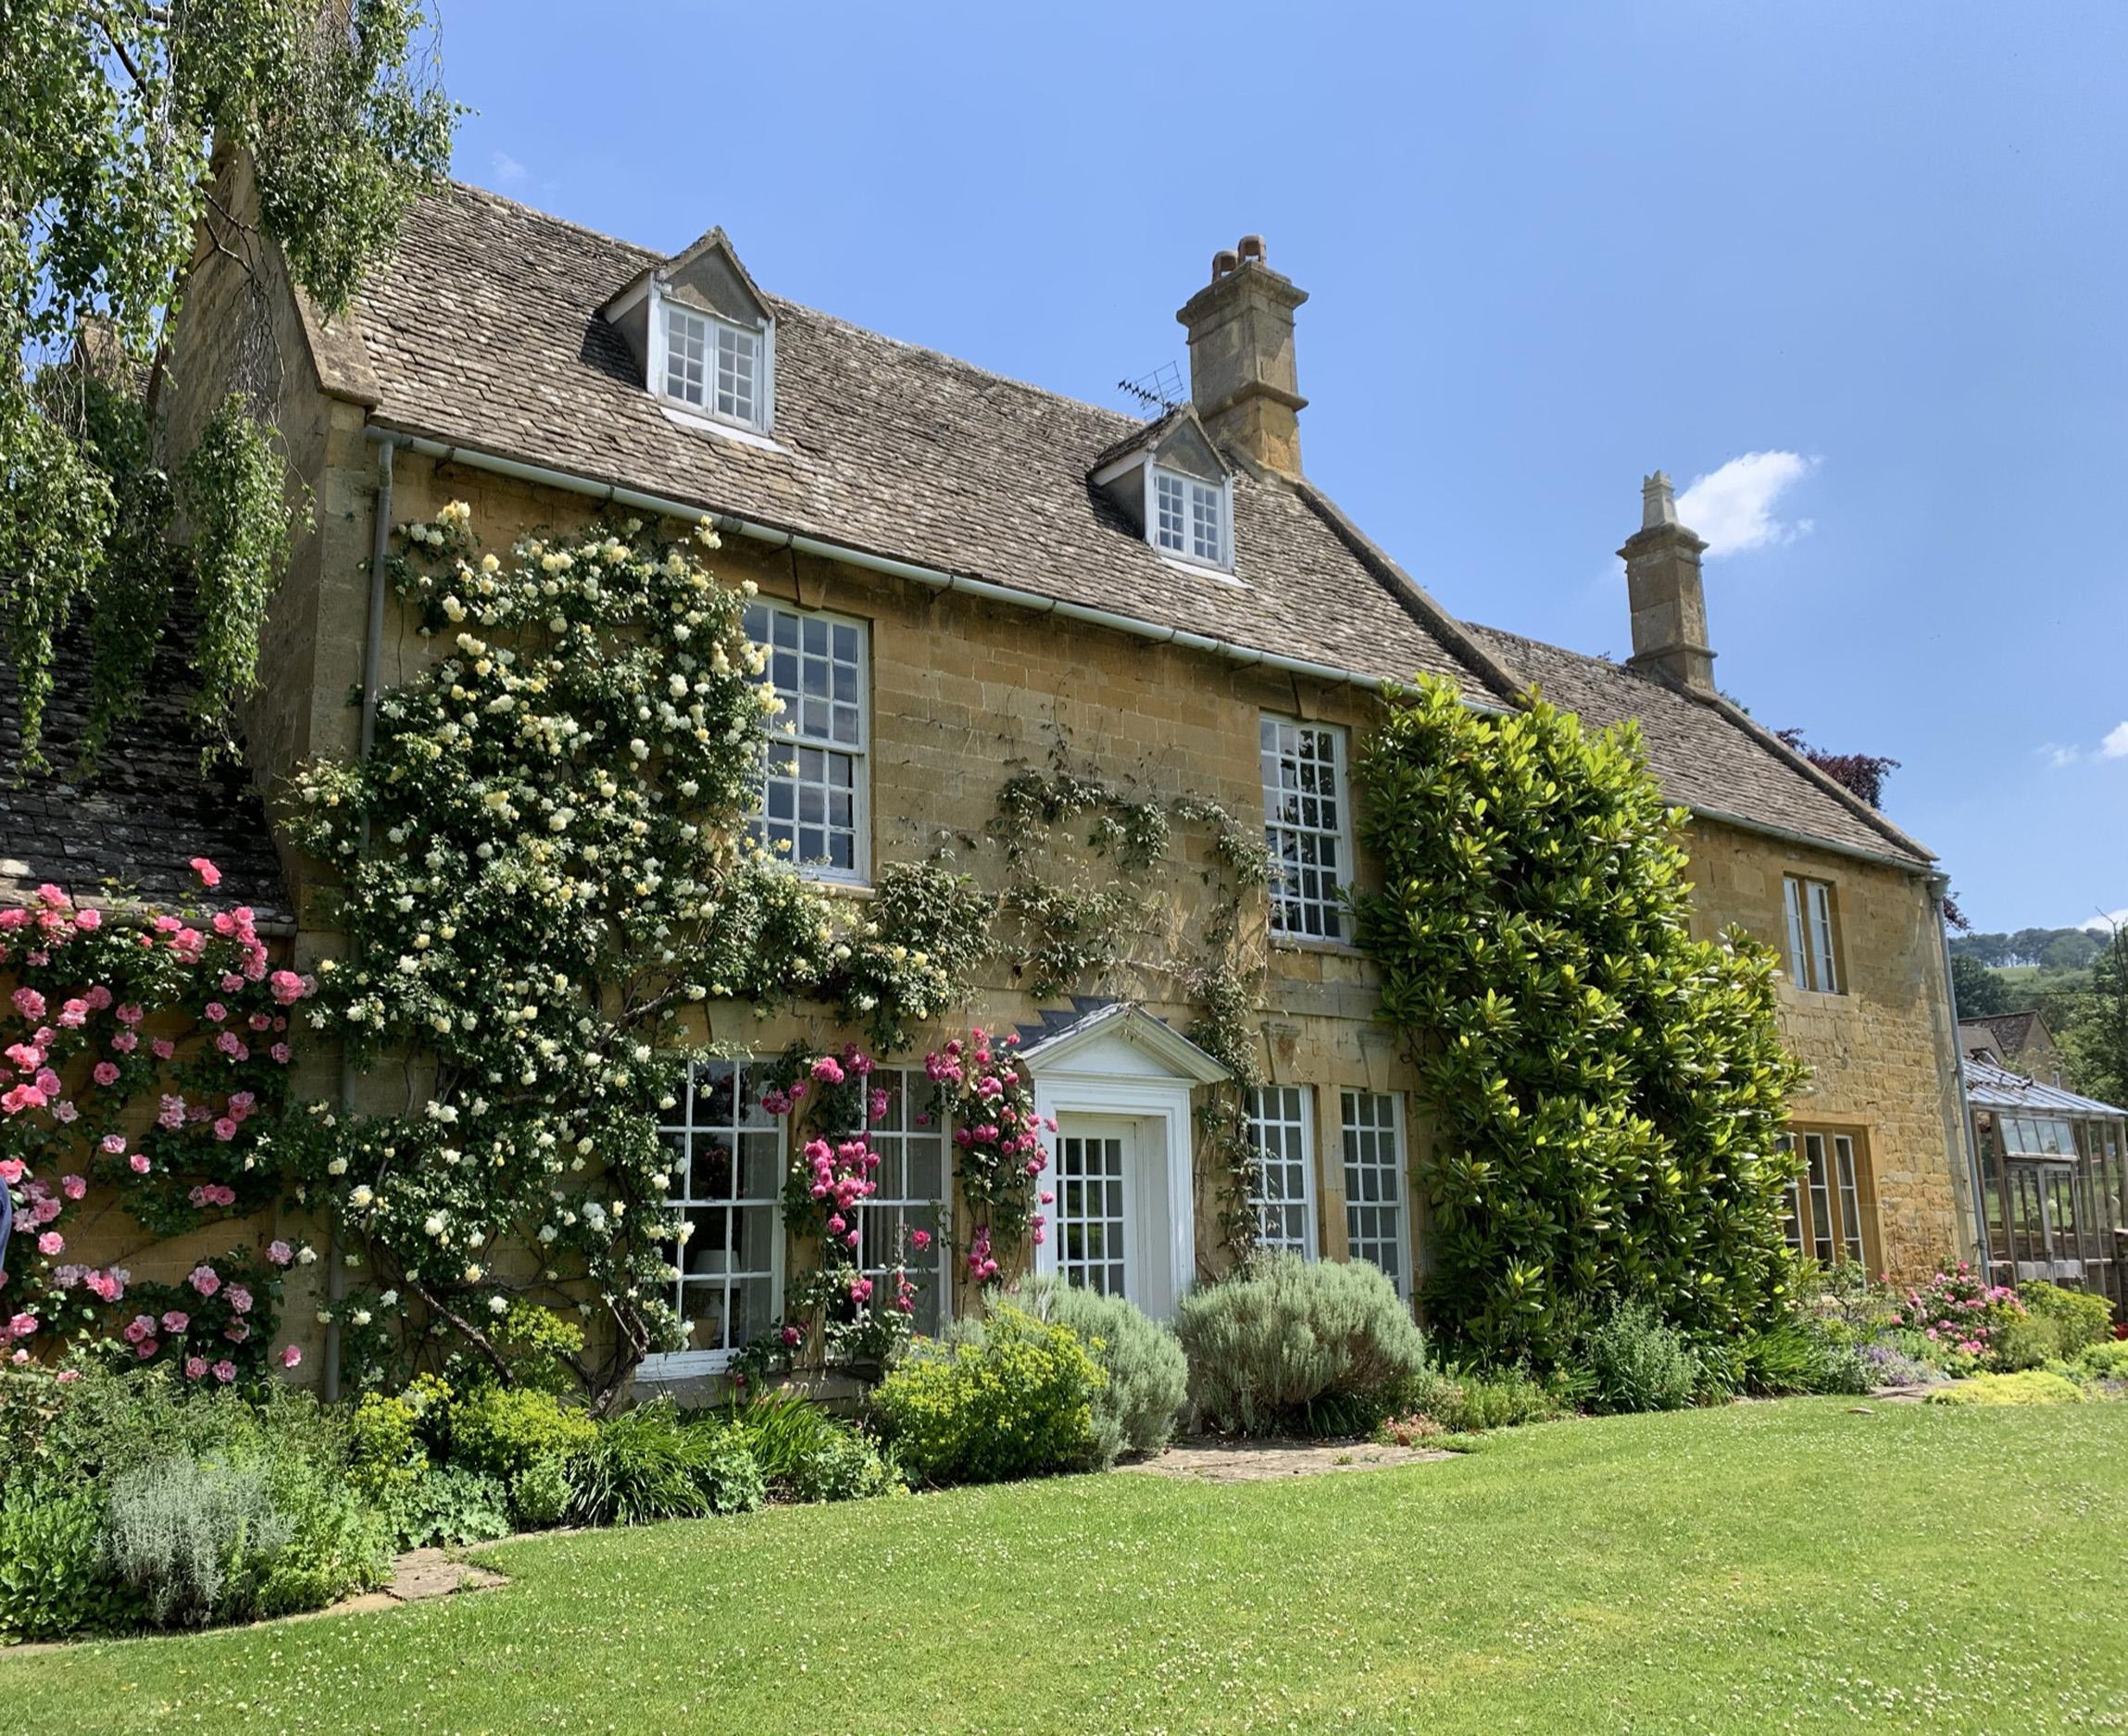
[(1758, 1567)]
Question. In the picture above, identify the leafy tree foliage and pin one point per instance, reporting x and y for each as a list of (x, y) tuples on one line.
[(1859, 774), (1606, 1091), (2056, 949), (1981, 993), (114, 118), (2095, 1037)]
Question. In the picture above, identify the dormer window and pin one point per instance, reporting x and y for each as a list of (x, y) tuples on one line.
[(1170, 483), (1189, 516), (706, 339), (712, 365)]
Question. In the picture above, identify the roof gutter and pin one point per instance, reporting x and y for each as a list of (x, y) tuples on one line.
[(937, 578)]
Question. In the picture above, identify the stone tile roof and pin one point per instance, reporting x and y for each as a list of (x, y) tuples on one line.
[(132, 831), (485, 329), (1710, 756)]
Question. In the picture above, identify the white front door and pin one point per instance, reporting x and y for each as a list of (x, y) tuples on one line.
[(1113, 1219)]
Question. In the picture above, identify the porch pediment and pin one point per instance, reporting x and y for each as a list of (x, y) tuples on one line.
[(1117, 1039)]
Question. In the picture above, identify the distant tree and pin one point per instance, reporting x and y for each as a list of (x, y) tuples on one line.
[(1862, 774), (2053, 949), (2097, 1036), (1981, 993)]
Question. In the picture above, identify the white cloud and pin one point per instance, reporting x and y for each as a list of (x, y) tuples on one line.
[(2056, 754), (1733, 508), (508, 170), (2106, 924), (2115, 746)]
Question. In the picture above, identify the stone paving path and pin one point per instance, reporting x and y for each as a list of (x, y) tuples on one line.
[(1259, 1461)]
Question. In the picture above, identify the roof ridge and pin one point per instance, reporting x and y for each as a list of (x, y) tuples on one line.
[(1413, 596)]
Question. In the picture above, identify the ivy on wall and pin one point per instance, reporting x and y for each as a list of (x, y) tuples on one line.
[(1608, 1092)]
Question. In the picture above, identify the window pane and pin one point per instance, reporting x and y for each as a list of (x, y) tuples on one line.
[(1207, 542), (738, 355), (726, 1192), (1374, 1183), (1302, 807), (686, 353), (1278, 1128), (809, 811), (1090, 1213), (1167, 511), (1824, 978), (1798, 957)]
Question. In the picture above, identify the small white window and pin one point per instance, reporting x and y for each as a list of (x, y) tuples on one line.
[(727, 1178), (1306, 827), (1374, 1183), (814, 782), (714, 366), (1283, 1187), (1807, 906), (1190, 517)]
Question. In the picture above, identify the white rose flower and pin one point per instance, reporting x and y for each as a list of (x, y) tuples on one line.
[(472, 1274), (362, 1317), (498, 1304), (434, 1224), (361, 1199), (389, 1299)]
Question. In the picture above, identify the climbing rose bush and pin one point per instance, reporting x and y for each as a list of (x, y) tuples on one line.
[(983, 1093), (1960, 1312), (547, 860), (144, 1066)]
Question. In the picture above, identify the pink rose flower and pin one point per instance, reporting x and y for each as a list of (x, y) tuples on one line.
[(209, 877), (88, 920), (194, 1367), (176, 1320), (139, 1162), (105, 1073), (29, 1003), (279, 1052), (216, 1012), (113, 1145), (51, 1241), (225, 1371), (279, 1252), (73, 1187), (204, 1279), (225, 1129), (290, 1356), (240, 1299)]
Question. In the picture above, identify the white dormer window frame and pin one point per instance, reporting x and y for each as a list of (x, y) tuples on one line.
[(1189, 519), (705, 358)]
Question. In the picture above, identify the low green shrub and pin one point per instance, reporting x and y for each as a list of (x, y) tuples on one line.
[(2034, 1386), (1148, 1375), (2084, 1316), (541, 1493), (2104, 1362), (52, 1581), (1640, 1363), (194, 1538), (807, 1454), (2030, 1341), (1804, 1355), (449, 1506), (645, 1463), (1270, 1345), (503, 1431), (1012, 1396), (384, 1452), (1470, 1403)]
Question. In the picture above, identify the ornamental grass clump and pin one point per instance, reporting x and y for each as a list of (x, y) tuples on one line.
[(1608, 1092), (1009, 1396), (646, 1463), (1288, 1343), (1147, 1374)]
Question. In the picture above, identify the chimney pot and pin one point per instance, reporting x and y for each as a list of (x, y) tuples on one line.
[(1664, 591), (1242, 375)]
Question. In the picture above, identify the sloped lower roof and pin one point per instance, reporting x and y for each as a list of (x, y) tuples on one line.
[(1710, 756), (132, 831), (1993, 1087)]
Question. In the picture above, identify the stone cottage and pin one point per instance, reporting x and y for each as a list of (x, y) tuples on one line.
[(968, 577)]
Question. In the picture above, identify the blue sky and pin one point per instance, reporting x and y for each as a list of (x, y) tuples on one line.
[(1549, 247)]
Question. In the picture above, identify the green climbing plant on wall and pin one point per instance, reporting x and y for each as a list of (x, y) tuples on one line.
[(1608, 1092)]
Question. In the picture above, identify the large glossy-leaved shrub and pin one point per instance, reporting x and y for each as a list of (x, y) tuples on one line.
[(1608, 1092)]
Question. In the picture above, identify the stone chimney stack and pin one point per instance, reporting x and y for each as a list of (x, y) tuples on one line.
[(1241, 357), (1663, 590)]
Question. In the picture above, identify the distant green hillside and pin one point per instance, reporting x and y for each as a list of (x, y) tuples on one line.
[(2055, 949)]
